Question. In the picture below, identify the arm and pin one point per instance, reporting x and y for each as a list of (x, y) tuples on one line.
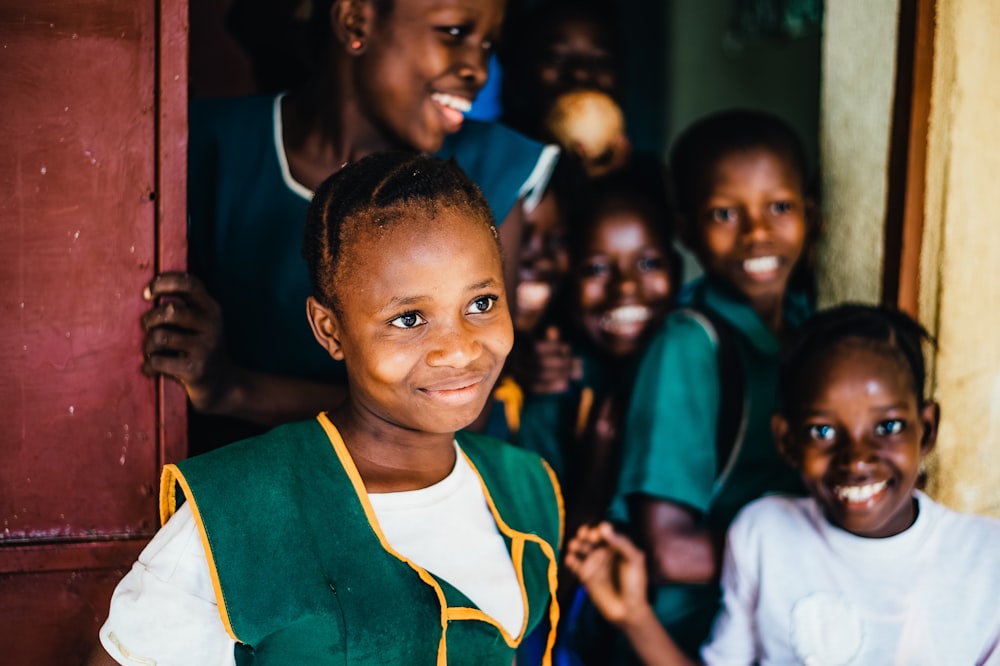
[(613, 571), (679, 548), (184, 340)]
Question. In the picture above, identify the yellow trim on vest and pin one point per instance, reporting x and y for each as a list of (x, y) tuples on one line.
[(583, 413), (518, 540), (169, 480), (510, 395), (359, 489)]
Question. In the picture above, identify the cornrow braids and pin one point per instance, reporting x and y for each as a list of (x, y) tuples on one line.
[(371, 194), (885, 329)]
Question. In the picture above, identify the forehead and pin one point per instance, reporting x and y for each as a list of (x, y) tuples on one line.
[(856, 364), (411, 9), (759, 165), (578, 32), (398, 240), (622, 227)]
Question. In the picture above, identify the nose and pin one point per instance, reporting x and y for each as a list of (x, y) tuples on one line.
[(855, 454), (756, 226), (474, 64), (623, 282), (455, 345)]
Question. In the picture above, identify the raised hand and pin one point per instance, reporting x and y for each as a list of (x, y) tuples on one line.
[(185, 341)]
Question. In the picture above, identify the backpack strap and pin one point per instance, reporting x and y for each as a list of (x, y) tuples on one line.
[(730, 427)]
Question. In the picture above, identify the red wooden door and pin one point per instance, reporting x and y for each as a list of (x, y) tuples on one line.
[(92, 177)]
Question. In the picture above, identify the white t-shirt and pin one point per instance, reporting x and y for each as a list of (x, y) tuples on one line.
[(164, 609), (797, 590)]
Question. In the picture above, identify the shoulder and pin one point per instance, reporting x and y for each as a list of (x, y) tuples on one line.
[(973, 531), (504, 163), (772, 514)]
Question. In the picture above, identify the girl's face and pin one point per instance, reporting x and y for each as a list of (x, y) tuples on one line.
[(752, 225), (858, 436), (543, 261), (424, 63), (624, 282), (423, 324), (578, 56)]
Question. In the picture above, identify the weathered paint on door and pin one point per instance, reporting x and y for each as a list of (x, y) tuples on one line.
[(92, 174)]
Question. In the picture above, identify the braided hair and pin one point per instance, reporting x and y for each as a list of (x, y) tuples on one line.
[(370, 195), (881, 328)]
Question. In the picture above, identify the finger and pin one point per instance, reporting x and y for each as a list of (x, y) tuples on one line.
[(174, 314), (184, 286), (619, 542), (170, 341)]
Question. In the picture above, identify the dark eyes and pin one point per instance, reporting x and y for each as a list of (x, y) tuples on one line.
[(822, 433), (457, 33), (890, 427), (482, 304), (781, 207), (596, 268), (408, 320), (723, 214)]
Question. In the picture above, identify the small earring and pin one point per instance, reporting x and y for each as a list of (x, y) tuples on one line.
[(356, 45)]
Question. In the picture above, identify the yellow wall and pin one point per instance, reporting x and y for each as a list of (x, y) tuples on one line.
[(960, 277), (859, 54)]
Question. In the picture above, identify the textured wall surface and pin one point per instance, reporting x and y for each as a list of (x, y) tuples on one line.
[(960, 276), (859, 68)]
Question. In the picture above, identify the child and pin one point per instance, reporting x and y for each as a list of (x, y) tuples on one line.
[(387, 75), (697, 436), (623, 276), (868, 569), (375, 533)]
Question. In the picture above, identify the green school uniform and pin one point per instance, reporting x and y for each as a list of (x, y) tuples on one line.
[(303, 574), (670, 451)]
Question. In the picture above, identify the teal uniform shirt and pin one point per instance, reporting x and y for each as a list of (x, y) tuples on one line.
[(246, 215), (304, 575), (670, 451)]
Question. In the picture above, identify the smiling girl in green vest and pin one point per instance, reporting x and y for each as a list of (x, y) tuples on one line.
[(376, 533)]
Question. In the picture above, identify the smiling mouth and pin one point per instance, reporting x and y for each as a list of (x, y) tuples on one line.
[(457, 392), (453, 108), (760, 267), (627, 319), (860, 494)]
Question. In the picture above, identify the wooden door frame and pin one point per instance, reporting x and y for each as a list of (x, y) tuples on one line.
[(904, 219)]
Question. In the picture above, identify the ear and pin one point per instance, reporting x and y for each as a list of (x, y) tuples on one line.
[(352, 23), (781, 432), (930, 416), (326, 327)]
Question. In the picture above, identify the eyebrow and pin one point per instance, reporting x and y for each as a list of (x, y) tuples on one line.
[(403, 301)]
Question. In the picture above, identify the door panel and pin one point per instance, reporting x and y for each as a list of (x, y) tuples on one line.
[(91, 205)]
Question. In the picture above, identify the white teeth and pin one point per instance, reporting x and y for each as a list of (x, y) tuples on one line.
[(760, 264), (626, 315), (856, 494), (533, 295), (452, 102)]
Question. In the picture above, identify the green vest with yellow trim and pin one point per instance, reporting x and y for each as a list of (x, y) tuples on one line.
[(302, 573)]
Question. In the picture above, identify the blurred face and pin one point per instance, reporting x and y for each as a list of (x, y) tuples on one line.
[(424, 62), (624, 282), (578, 56), (858, 437), (752, 226), (542, 263), (423, 324)]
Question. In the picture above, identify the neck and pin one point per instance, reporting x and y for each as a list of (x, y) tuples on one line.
[(772, 312), (324, 127), (391, 458)]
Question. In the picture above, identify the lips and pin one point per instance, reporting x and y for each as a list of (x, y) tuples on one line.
[(452, 108), (861, 495), (626, 320), (455, 390), (761, 267)]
